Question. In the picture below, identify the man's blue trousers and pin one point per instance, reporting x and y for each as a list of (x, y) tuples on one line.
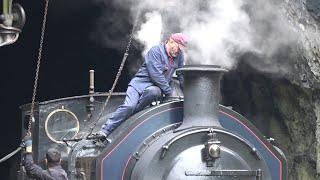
[(133, 103)]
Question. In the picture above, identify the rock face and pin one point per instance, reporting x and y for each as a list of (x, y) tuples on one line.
[(304, 18), (286, 107), (280, 110)]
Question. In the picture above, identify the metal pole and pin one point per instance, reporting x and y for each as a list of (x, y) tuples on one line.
[(91, 83), (90, 106), (7, 15)]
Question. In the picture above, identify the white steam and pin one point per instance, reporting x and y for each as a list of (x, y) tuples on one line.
[(150, 31), (221, 32), (217, 30)]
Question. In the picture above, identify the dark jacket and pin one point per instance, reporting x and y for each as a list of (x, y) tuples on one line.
[(35, 171), (157, 70)]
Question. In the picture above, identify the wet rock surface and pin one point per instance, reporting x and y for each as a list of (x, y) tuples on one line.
[(281, 110), (286, 106)]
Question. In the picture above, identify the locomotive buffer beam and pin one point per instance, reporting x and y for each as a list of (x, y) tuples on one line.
[(235, 173)]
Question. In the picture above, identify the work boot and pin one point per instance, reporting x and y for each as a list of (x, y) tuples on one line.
[(98, 135), (101, 137)]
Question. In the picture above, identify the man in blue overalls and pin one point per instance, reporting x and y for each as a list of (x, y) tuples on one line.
[(152, 79)]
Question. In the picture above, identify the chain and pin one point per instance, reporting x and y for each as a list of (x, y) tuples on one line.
[(38, 65), (35, 82), (125, 55)]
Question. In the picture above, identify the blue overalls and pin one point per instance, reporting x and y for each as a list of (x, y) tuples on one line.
[(152, 79)]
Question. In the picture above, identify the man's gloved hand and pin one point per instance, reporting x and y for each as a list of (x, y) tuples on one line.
[(27, 141)]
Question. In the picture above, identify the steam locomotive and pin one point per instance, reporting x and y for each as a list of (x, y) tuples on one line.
[(187, 138)]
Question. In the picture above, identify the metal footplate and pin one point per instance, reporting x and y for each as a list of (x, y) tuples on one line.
[(235, 173)]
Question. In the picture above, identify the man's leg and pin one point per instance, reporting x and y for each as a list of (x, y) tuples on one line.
[(150, 94), (123, 111)]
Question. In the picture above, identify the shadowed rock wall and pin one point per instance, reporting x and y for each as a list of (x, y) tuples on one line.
[(287, 106)]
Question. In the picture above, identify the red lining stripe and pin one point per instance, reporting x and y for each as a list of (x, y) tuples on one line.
[(126, 167), (101, 174), (257, 138)]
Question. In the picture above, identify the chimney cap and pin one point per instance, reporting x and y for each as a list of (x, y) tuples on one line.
[(215, 68)]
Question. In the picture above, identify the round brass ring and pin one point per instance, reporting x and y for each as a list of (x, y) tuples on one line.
[(48, 118)]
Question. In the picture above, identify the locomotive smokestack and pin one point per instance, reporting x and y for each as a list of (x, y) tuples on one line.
[(201, 95)]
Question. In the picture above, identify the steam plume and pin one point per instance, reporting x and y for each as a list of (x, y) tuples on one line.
[(150, 32), (221, 32)]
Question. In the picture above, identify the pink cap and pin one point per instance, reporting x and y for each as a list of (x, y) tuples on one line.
[(179, 38)]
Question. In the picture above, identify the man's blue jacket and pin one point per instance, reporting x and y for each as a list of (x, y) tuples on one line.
[(157, 70)]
